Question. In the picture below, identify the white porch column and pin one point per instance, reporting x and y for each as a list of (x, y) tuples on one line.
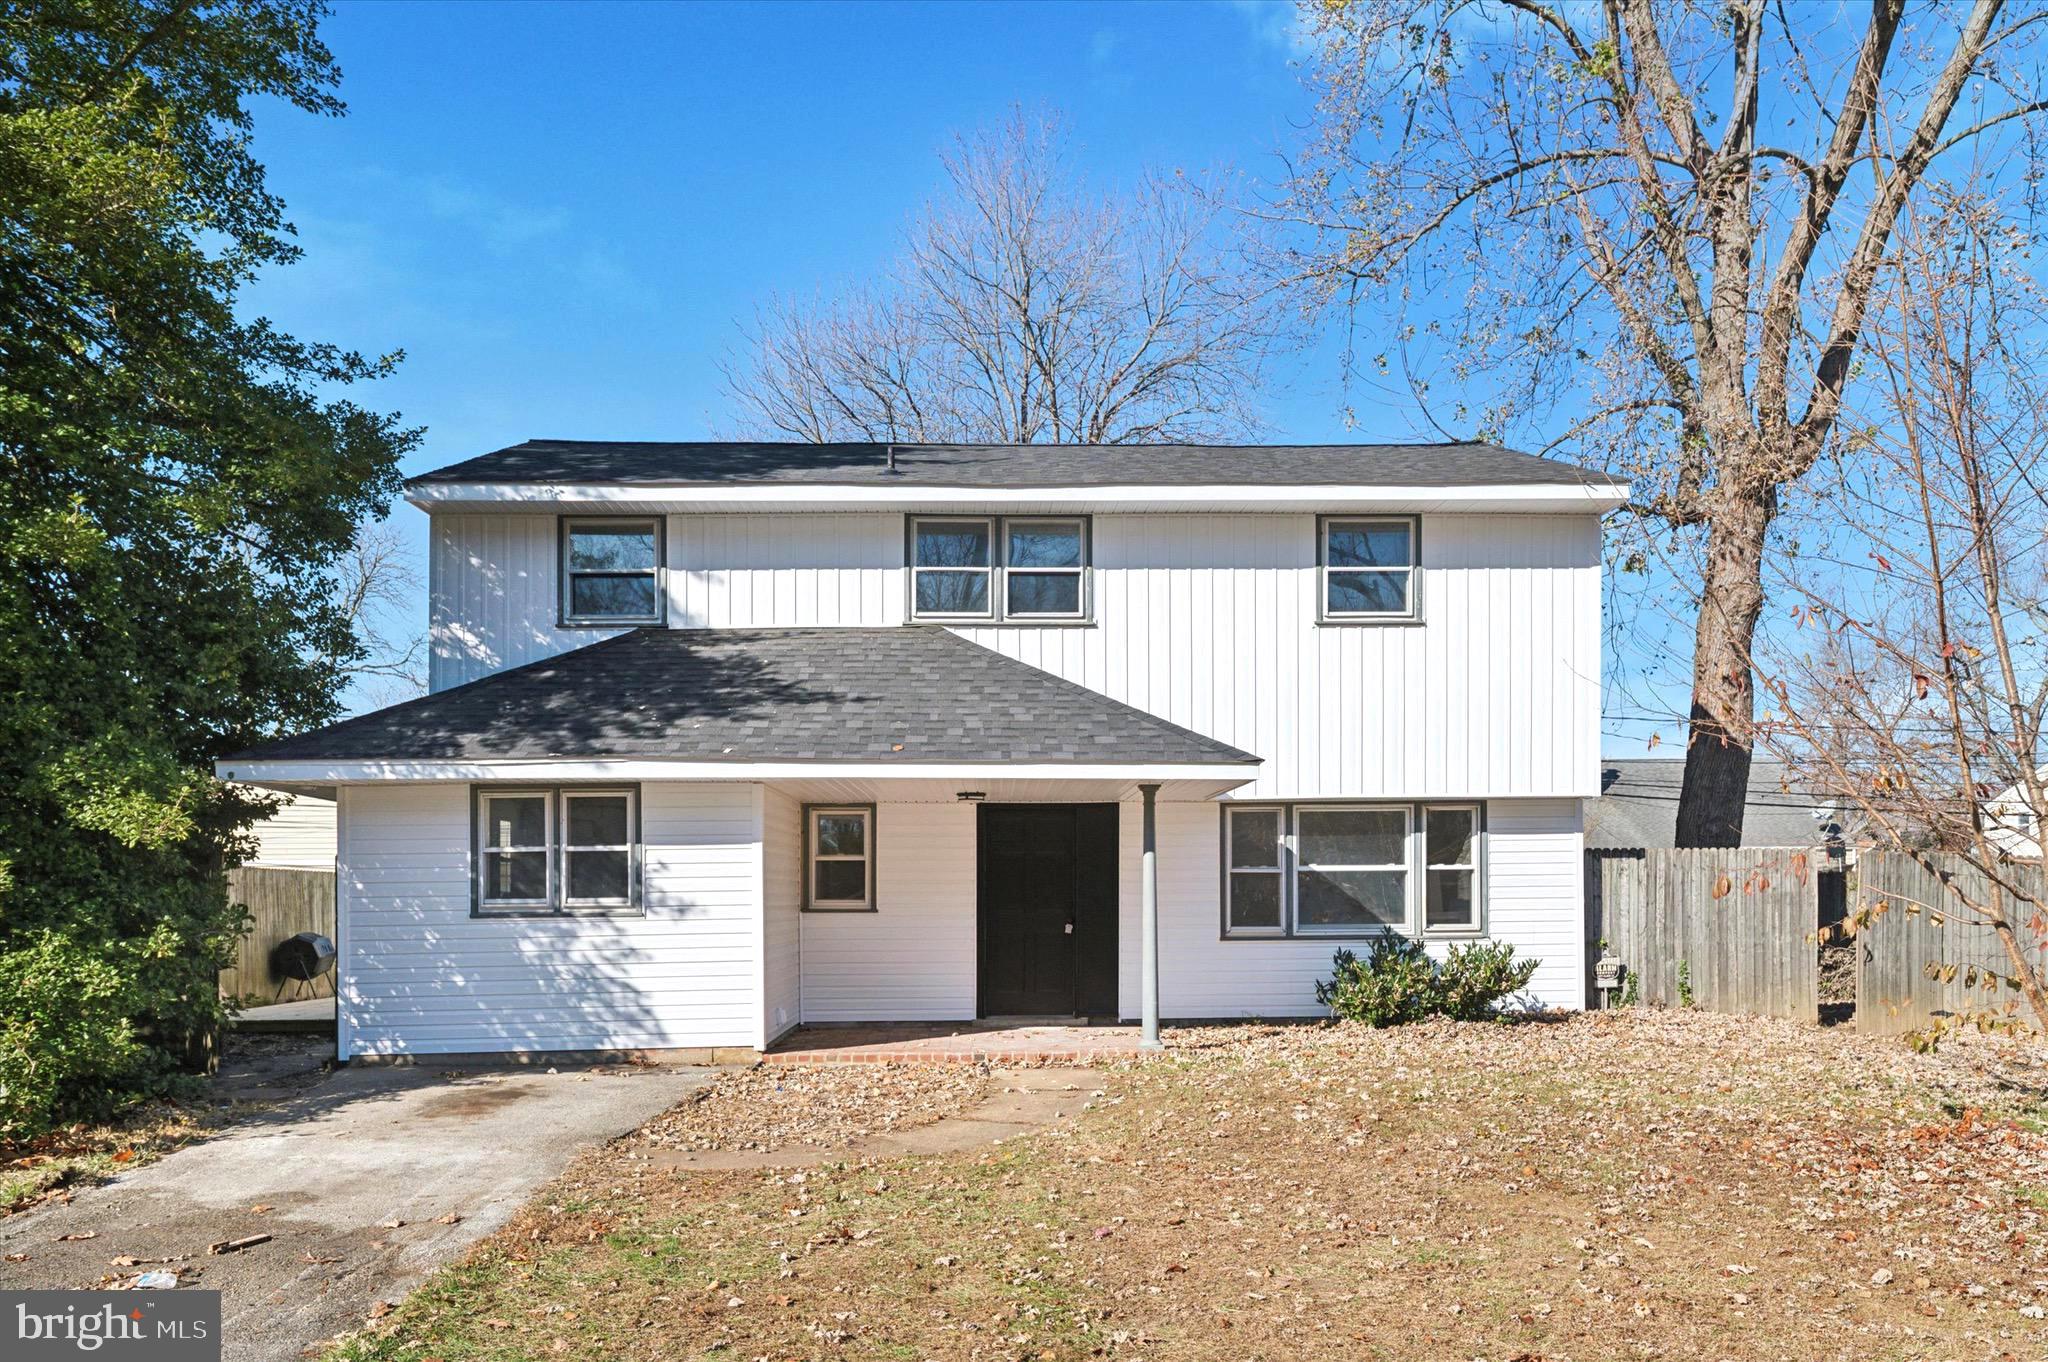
[(1148, 924)]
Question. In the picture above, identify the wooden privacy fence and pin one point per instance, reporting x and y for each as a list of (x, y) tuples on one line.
[(284, 903), (1738, 926), (1921, 956)]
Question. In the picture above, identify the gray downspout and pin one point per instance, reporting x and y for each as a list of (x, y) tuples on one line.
[(1148, 928)]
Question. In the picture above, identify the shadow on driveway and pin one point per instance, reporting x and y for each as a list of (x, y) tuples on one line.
[(448, 1155)]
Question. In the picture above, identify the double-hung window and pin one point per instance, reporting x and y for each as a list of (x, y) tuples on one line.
[(1368, 568), (557, 850), (1256, 879), (1044, 563), (1026, 569), (611, 572), (839, 856), (1451, 852), (1348, 870)]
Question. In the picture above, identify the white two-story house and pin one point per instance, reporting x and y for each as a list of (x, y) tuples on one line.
[(723, 739)]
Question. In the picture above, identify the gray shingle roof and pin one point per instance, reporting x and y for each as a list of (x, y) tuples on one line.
[(908, 695), (1638, 806), (724, 462)]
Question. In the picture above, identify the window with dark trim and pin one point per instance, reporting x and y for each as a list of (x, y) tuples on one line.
[(556, 849), (839, 858), (1002, 569), (611, 571), (1367, 566), (1352, 869)]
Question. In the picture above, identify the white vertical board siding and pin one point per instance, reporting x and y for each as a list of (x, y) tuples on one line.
[(781, 920), (913, 958), (785, 571), (1534, 902), (491, 592), (1205, 619), (419, 975), (1210, 621)]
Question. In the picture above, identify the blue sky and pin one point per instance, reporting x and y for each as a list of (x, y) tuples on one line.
[(563, 213)]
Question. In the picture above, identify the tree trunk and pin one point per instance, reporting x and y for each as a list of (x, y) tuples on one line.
[(1717, 749)]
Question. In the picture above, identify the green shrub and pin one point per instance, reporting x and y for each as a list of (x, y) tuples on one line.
[(65, 1027), (1397, 982)]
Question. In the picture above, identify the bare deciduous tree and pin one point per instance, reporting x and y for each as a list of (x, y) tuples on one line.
[(376, 581), (1916, 687), (1022, 309), (1663, 218)]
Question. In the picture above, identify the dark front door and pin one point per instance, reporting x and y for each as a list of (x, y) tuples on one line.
[(1048, 909)]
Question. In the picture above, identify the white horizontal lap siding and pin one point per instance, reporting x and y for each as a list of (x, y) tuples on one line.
[(300, 834), (492, 596), (913, 959), (781, 921), (785, 571), (419, 975), (1534, 903)]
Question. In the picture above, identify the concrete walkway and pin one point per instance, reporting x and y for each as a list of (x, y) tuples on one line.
[(1029, 1100), (367, 1180)]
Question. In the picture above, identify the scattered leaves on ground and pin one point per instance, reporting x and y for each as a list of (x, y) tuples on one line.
[(773, 1106), (1638, 1184)]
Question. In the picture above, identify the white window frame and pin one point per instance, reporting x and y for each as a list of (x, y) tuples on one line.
[(1472, 927), (1406, 866), (630, 846), (485, 851), (1411, 572), (996, 550), (813, 857), (1279, 870), (1079, 572), (656, 527)]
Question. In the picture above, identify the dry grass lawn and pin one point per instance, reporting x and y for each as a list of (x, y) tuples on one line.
[(1634, 1185)]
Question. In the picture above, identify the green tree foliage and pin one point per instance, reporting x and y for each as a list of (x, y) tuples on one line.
[(178, 486)]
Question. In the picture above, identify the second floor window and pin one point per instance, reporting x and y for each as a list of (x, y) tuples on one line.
[(1024, 568), (611, 572), (1368, 568)]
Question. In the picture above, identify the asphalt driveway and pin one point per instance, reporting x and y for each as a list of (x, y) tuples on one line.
[(365, 1180)]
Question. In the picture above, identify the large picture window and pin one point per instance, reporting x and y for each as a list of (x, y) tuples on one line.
[(557, 850), (839, 858), (1021, 569), (1368, 568), (1349, 870), (1353, 873), (611, 572)]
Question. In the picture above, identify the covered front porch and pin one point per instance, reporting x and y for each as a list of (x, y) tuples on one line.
[(1003, 919)]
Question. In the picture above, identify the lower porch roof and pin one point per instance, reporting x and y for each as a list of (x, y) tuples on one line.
[(915, 711)]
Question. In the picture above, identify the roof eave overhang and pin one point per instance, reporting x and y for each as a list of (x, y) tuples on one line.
[(331, 772), (1589, 498)]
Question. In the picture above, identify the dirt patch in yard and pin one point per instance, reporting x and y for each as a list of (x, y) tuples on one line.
[(1633, 1185), (771, 1107)]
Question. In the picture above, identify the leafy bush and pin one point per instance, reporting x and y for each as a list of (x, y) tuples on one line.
[(65, 1026), (1397, 982)]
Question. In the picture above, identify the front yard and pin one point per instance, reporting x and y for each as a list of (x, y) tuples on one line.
[(1622, 1185)]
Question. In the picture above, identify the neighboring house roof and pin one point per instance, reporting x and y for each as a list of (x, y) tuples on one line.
[(908, 695), (1460, 464), (1638, 806)]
